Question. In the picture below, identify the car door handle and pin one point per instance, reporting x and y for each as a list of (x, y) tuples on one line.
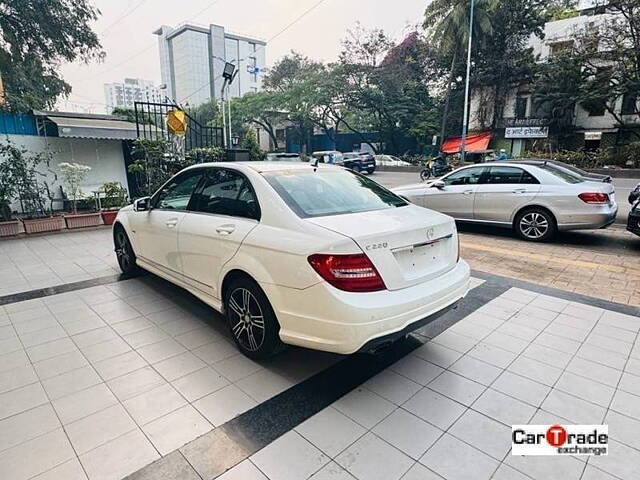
[(226, 229), (519, 190), (171, 223), (467, 192)]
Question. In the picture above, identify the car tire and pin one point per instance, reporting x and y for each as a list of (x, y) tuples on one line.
[(124, 252), (535, 225), (370, 171), (356, 168), (251, 319)]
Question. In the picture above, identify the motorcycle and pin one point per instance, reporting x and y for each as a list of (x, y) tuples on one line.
[(435, 168)]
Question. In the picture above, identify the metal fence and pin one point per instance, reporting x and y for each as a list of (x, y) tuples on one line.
[(151, 125)]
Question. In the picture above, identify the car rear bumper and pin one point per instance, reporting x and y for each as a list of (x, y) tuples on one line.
[(325, 318), (603, 217)]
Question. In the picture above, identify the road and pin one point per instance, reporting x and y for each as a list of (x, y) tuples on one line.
[(614, 240)]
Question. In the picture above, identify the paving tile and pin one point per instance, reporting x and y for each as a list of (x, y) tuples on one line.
[(505, 472), (485, 434), (42, 336), (622, 461), (61, 364), (83, 403), (245, 470), (17, 377), (608, 343), (624, 429), (627, 404), (237, 367), (21, 399), (12, 360), (548, 356), (200, 383), (573, 408), (264, 384), (178, 327), (585, 389), (135, 383), (534, 370), (420, 472), (562, 344), (633, 367), (615, 333), (435, 408), (522, 332), (521, 388), (630, 383), (491, 354), (70, 382), (119, 365), (565, 331), (475, 327), (455, 341), (119, 457), (154, 403), (437, 354), (454, 460), (503, 408), (101, 351), (215, 352), (50, 349), (416, 369), (132, 326), (549, 303), (392, 386), (595, 371), (372, 458), (564, 467), (364, 407), (620, 320), (35, 456), (175, 429), (330, 431), (506, 342), (92, 337), (407, 433), (303, 459), (156, 352), (224, 404), (458, 388), (179, 366), (70, 470), (199, 337), (592, 473), (30, 326), (27, 425), (483, 320), (582, 311), (170, 467), (228, 453), (96, 429)]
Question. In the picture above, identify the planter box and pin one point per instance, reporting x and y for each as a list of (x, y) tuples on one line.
[(108, 216), (83, 220), (8, 229), (47, 224)]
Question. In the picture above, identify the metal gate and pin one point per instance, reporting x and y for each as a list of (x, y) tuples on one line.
[(151, 125)]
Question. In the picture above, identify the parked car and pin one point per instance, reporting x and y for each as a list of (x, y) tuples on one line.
[(284, 157), (390, 161), (535, 200), (633, 220), (359, 162), (587, 176), (317, 257), (324, 156), (634, 194)]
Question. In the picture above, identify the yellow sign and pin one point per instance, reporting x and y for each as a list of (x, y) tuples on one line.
[(177, 122)]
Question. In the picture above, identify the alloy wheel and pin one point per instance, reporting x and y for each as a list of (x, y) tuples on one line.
[(247, 320), (123, 250), (534, 225)]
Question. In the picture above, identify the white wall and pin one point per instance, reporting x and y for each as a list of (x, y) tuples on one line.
[(105, 158)]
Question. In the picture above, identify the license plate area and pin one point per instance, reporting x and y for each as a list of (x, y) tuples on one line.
[(422, 259)]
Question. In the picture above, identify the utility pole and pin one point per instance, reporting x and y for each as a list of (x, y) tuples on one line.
[(465, 121)]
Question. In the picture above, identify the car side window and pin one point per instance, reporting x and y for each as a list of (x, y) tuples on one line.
[(176, 194), (468, 176), (225, 192), (508, 175)]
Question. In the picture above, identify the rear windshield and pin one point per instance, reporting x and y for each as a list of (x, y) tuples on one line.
[(562, 173), (328, 192)]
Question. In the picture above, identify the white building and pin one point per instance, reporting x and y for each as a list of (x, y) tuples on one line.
[(132, 90), (192, 58)]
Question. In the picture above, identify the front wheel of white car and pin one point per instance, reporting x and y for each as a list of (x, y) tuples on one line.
[(251, 319), (535, 225)]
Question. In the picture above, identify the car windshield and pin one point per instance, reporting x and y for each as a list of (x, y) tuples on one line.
[(561, 173), (328, 192)]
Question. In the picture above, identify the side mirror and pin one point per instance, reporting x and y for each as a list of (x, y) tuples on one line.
[(142, 204), (439, 184)]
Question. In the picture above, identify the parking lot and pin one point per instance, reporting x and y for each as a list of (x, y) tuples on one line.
[(104, 377)]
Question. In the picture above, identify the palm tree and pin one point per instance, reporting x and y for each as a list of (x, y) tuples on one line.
[(447, 24)]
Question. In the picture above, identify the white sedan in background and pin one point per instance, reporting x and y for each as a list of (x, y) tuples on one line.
[(318, 257), (535, 200)]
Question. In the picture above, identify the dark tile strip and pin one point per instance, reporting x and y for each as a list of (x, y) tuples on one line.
[(56, 289), (556, 292), (224, 447)]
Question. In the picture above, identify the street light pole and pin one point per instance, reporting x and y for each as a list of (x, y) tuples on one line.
[(465, 121)]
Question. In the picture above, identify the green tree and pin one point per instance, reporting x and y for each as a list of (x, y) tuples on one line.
[(447, 26), (35, 37), (250, 142)]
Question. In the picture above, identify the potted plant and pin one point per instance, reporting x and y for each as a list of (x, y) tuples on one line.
[(115, 197), (73, 175)]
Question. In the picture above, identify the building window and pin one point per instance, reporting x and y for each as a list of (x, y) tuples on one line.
[(558, 48), (521, 107), (629, 104)]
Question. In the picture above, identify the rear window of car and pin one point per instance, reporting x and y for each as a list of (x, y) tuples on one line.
[(562, 174), (322, 193)]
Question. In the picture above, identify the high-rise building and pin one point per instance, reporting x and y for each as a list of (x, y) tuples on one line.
[(192, 58), (132, 90)]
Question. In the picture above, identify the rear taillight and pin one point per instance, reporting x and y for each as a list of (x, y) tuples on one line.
[(594, 197), (353, 273)]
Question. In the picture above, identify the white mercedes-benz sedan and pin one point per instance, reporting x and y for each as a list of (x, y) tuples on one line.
[(319, 257), (536, 200)]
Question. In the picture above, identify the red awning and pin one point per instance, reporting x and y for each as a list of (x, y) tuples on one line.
[(475, 143)]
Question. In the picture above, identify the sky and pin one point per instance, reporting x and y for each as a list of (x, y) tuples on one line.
[(125, 30)]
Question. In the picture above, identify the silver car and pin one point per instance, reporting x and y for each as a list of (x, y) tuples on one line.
[(535, 200)]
